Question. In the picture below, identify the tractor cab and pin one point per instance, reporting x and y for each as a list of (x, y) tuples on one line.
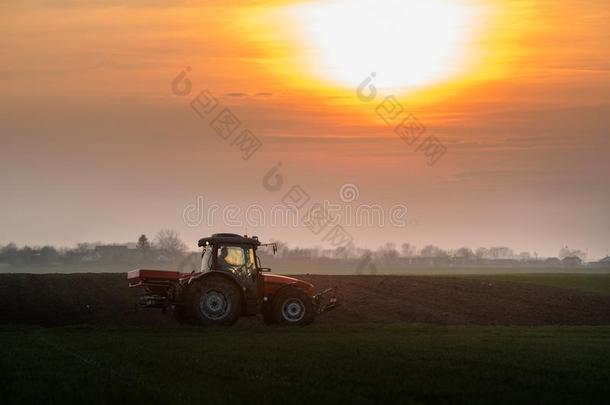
[(230, 252)]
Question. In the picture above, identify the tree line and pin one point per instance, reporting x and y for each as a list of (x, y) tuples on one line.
[(390, 251), (167, 246)]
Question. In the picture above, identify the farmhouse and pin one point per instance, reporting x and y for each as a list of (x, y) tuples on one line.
[(571, 261)]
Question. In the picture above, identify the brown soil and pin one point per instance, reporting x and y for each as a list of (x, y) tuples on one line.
[(59, 299), (460, 300)]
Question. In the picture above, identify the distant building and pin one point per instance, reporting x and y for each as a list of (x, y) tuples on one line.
[(605, 262), (571, 261), (111, 251), (552, 261)]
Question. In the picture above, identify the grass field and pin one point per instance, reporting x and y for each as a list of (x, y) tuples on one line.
[(317, 364), (595, 283)]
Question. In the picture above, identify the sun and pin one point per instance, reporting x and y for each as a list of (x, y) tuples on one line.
[(413, 48), (404, 43)]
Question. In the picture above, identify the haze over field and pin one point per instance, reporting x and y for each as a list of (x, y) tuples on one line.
[(95, 145)]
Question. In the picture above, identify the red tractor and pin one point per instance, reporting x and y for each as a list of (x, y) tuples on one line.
[(231, 283)]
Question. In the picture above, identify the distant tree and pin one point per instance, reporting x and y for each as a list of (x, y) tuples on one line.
[(433, 251), (387, 253), (482, 253), (11, 247), (298, 253), (10, 253), (48, 254), (464, 253), (26, 254), (169, 242), (84, 247), (494, 252), (316, 252), (362, 252), (501, 252), (143, 243), (342, 252), (407, 250)]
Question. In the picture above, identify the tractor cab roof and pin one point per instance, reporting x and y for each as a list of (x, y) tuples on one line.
[(227, 239)]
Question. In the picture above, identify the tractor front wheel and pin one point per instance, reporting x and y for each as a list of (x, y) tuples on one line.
[(215, 301), (292, 306)]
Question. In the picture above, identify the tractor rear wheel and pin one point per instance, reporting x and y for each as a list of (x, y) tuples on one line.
[(215, 301), (293, 306)]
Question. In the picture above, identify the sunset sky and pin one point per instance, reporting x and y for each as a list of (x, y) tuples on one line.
[(96, 146)]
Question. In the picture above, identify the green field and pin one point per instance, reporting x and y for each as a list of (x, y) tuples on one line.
[(317, 364)]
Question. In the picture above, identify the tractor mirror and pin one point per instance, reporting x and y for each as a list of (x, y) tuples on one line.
[(273, 246)]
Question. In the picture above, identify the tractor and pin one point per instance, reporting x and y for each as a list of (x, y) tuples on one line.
[(231, 283)]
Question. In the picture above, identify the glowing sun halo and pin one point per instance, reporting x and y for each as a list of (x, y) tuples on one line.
[(405, 42)]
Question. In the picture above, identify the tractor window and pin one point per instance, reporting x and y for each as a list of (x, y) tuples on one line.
[(251, 260), (237, 259), (231, 258)]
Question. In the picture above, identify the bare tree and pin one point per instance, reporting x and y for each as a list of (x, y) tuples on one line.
[(169, 242), (433, 251), (408, 250), (482, 253), (464, 253), (387, 253), (501, 252)]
